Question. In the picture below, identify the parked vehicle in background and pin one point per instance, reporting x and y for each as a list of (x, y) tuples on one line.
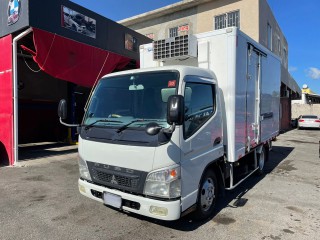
[(308, 121), (165, 140)]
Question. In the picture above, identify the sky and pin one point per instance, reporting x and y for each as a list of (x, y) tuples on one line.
[(298, 20)]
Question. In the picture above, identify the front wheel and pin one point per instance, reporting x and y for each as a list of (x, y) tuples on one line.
[(207, 196)]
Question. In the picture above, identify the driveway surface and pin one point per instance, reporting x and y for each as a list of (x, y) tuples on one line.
[(40, 200)]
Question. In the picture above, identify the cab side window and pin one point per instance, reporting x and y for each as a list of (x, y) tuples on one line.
[(199, 106)]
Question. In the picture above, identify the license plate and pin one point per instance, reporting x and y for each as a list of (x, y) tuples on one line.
[(112, 200)]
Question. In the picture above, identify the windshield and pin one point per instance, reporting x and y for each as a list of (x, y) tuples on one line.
[(138, 98)]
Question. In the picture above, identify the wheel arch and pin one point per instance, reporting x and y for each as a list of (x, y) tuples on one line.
[(217, 167)]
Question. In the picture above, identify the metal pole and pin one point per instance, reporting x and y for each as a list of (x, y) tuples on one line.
[(15, 93)]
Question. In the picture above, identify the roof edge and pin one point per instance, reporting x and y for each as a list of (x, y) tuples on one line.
[(184, 4)]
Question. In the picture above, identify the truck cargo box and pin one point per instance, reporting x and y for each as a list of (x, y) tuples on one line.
[(249, 78), (248, 75)]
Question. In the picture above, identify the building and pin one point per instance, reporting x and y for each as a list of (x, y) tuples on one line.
[(307, 96), (254, 17), (308, 105)]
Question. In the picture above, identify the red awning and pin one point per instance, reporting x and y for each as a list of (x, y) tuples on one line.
[(73, 61)]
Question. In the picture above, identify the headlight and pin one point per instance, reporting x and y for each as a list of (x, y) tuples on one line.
[(83, 169), (165, 183)]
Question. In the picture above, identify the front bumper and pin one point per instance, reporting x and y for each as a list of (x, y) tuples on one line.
[(173, 207)]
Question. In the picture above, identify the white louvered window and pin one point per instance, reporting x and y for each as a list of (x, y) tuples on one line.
[(231, 19), (173, 32)]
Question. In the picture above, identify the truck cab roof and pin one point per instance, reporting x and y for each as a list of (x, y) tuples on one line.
[(183, 70)]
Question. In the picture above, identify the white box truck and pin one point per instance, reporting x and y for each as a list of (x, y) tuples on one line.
[(165, 141)]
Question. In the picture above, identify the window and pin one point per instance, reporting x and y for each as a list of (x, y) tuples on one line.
[(200, 106), (231, 19), (179, 31), (132, 97), (285, 57), (173, 32), (269, 36), (279, 46)]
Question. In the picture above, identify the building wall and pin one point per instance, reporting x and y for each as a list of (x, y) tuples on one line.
[(305, 109), (285, 114), (266, 17), (249, 20), (160, 26), (6, 106)]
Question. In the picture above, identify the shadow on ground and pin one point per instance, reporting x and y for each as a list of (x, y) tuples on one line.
[(27, 153), (232, 199)]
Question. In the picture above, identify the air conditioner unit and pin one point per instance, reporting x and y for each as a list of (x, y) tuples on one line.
[(175, 48)]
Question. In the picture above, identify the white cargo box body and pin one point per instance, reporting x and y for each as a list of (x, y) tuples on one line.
[(249, 78)]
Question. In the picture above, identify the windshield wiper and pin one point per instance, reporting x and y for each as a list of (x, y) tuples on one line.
[(101, 120), (137, 120)]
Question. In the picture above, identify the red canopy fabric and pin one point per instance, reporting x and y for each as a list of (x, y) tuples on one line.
[(72, 61)]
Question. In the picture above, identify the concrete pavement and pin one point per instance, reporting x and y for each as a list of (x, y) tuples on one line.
[(40, 200)]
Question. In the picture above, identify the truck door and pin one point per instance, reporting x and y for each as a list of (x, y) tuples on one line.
[(201, 138), (253, 96)]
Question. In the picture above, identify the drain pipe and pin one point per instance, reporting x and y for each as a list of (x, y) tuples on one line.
[(15, 93)]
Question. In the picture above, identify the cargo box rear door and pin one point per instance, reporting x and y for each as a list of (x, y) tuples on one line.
[(253, 96)]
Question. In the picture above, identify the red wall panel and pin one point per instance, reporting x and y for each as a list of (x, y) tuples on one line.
[(6, 107)]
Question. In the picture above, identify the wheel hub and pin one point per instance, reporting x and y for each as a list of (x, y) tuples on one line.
[(207, 194)]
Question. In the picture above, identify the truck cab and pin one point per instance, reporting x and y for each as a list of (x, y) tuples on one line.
[(133, 155)]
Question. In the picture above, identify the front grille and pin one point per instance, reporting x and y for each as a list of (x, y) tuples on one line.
[(117, 177), (129, 182)]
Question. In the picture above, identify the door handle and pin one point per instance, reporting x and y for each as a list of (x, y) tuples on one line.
[(217, 141)]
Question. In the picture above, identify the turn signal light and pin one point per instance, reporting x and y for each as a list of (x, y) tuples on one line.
[(173, 173)]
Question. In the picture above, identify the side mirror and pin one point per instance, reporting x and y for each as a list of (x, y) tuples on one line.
[(175, 110), (62, 109)]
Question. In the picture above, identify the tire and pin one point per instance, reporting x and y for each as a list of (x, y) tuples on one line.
[(261, 158), (207, 196)]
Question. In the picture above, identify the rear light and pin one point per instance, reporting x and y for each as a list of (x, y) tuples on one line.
[(317, 120), (301, 120)]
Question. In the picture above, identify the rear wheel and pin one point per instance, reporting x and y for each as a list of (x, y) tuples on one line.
[(207, 195), (262, 158)]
